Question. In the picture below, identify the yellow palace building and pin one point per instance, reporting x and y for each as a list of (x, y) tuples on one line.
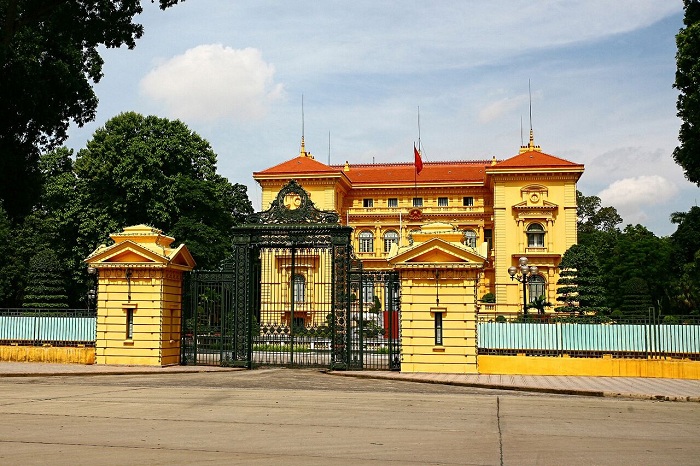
[(452, 230)]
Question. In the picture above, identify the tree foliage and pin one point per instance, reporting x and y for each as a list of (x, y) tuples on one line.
[(49, 51), (46, 289), (580, 286), (134, 170), (157, 171), (592, 217), (688, 84), (539, 303)]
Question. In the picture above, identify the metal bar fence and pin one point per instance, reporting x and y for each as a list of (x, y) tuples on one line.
[(678, 337), (42, 327)]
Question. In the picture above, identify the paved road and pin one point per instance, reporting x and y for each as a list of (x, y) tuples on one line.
[(282, 416)]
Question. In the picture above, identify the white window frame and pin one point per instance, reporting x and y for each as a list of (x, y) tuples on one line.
[(390, 237), (535, 235), (366, 238), (470, 238)]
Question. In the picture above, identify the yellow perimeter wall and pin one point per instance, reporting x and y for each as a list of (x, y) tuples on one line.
[(597, 367), (60, 355)]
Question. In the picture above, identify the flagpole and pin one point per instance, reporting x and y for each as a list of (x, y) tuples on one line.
[(415, 172)]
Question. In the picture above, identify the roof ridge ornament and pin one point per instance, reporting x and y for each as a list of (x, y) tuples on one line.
[(303, 152), (531, 145)]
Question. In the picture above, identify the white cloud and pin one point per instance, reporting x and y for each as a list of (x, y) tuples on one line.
[(635, 198), (209, 82), (647, 189), (501, 107)]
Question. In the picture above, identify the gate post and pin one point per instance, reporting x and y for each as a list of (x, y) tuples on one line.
[(340, 305), (242, 309)]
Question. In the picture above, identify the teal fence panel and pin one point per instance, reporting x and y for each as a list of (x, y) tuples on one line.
[(565, 337), (38, 328)]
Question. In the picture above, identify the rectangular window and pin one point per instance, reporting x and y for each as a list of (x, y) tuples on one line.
[(392, 202), (488, 238), (468, 201), (443, 202), (417, 202), (367, 202), (438, 329), (129, 324), (367, 291)]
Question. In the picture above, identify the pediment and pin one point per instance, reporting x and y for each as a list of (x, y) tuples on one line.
[(126, 252), (543, 205), (437, 251), (182, 257)]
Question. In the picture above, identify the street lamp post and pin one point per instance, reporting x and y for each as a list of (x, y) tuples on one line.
[(522, 273)]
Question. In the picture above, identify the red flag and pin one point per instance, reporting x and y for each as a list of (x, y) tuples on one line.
[(418, 161)]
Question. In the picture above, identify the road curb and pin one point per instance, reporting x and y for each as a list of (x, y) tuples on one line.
[(524, 388), (116, 372)]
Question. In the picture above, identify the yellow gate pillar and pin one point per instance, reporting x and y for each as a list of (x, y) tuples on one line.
[(139, 297)]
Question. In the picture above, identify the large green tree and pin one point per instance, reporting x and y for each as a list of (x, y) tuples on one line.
[(688, 84), (580, 286), (49, 54), (46, 289), (685, 290), (637, 253), (146, 169)]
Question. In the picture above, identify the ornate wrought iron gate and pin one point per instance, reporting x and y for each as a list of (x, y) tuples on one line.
[(286, 297)]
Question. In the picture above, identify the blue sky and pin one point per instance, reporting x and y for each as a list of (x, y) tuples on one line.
[(601, 75)]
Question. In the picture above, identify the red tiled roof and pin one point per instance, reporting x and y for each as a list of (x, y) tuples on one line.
[(298, 165), (433, 172), (535, 159)]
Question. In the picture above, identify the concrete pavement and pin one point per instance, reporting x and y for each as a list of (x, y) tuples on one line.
[(284, 416), (628, 387)]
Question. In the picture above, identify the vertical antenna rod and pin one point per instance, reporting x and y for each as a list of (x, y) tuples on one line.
[(529, 91), (419, 147), (302, 115)]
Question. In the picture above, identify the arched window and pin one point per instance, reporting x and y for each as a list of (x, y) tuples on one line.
[(299, 285), (390, 237), (535, 236), (536, 288), (470, 238), (366, 241)]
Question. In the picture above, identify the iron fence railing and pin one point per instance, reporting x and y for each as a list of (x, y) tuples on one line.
[(676, 337), (44, 327)]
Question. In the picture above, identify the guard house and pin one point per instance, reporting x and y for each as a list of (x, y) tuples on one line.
[(139, 297)]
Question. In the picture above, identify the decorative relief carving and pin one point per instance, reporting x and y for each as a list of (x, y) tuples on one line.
[(292, 206)]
